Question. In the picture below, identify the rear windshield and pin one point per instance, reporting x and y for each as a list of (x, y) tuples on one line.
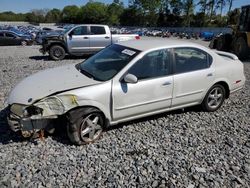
[(107, 63)]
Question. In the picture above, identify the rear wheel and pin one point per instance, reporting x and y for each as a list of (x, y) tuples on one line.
[(214, 98), (241, 48), (87, 128), (57, 52)]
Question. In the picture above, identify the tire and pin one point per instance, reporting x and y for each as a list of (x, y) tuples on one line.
[(85, 125), (214, 98), (24, 43), (220, 45), (57, 52), (241, 48)]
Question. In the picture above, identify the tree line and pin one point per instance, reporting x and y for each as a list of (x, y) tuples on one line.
[(147, 13)]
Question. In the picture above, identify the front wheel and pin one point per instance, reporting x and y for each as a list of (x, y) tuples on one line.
[(86, 128), (57, 52), (214, 98)]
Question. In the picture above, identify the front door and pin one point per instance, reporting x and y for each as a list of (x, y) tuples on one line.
[(152, 92), (78, 40)]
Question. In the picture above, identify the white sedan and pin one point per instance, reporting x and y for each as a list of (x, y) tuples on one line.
[(123, 82)]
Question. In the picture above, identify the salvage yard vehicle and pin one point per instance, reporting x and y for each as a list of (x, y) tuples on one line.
[(239, 41), (8, 38), (123, 82), (80, 40)]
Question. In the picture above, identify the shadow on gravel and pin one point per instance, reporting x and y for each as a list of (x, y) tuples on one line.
[(246, 60), (68, 57), (60, 135), (153, 117), (6, 135)]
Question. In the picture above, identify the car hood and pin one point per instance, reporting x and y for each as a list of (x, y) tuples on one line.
[(48, 82)]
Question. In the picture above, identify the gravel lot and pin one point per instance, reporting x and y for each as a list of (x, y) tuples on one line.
[(177, 149)]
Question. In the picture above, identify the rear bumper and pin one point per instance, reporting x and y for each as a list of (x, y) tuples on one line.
[(237, 89)]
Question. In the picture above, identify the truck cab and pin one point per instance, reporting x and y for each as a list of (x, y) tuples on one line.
[(80, 40)]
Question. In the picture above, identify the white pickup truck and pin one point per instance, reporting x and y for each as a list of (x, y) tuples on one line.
[(80, 40)]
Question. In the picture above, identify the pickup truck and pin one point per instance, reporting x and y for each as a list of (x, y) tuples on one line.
[(80, 40)]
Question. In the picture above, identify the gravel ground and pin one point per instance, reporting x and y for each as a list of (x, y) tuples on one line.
[(177, 149)]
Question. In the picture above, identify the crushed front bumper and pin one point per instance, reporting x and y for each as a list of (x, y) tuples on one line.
[(26, 124)]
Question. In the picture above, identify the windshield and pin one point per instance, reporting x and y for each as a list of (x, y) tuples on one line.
[(66, 29), (108, 62)]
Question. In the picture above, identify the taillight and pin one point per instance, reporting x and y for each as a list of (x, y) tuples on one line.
[(238, 81), (137, 37)]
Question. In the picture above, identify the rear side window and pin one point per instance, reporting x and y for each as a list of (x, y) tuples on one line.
[(191, 59), (1, 34), (82, 30), (97, 30)]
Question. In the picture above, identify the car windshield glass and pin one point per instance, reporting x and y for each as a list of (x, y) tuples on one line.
[(108, 62), (67, 29)]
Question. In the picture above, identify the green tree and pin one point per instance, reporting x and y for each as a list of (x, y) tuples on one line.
[(93, 13), (114, 12), (70, 14), (211, 5), (188, 12), (131, 17), (230, 5), (53, 16)]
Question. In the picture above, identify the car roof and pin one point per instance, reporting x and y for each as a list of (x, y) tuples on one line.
[(146, 44)]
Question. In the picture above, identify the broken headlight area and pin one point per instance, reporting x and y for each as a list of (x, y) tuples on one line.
[(39, 115), (56, 105)]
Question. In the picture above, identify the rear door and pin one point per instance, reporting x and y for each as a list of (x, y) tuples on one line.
[(99, 38), (78, 40), (193, 75)]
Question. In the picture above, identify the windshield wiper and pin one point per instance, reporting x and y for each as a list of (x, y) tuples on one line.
[(87, 74)]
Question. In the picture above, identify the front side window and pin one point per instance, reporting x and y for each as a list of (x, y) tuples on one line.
[(190, 59), (82, 30), (1, 34), (152, 65), (97, 30), (107, 63)]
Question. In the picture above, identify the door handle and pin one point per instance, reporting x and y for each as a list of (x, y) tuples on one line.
[(209, 74), (166, 84), (85, 37), (107, 37)]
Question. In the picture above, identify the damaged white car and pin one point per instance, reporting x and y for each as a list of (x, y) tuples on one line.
[(123, 82)]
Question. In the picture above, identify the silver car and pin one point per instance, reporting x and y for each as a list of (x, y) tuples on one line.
[(123, 82)]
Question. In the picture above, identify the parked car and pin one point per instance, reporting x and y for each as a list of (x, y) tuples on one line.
[(124, 82), (46, 34), (13, 38), (81, 39), (207, 36)]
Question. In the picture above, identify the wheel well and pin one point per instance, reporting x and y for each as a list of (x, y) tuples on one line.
[(85, 109), (226, 87), (57, 44)]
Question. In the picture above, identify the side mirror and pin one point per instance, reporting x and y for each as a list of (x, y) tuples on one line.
[(130, 78)]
